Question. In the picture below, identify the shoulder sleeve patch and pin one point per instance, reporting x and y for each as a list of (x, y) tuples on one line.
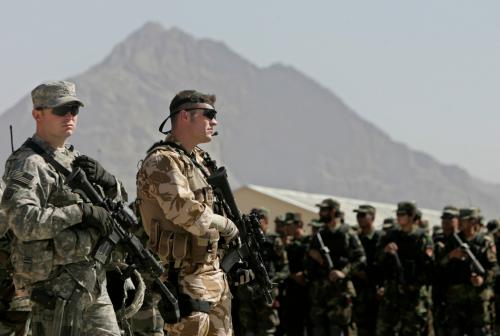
[(7, 194), (21, 178)]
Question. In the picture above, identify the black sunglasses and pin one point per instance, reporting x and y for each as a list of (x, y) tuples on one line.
[(62, 110), (209, 113)]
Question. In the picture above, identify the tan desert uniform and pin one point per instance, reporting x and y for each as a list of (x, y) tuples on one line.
[(176, 202)]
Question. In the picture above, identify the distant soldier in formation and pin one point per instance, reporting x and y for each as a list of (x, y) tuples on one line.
[(331, 285), (494, 229), (367, 280), (256, 317), (469, 294), (294, 299), (441, 237), (405, 255)]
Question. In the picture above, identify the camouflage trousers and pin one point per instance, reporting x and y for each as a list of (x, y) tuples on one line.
[(76, 310), (148, 321), (365, 309), (404, 311), (215, 323), (469, 310), (256, 316), (331, 308)]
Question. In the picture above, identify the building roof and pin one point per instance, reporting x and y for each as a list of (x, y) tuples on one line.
[(307, 201)]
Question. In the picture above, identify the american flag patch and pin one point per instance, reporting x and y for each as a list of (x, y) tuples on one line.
[(22, 178)]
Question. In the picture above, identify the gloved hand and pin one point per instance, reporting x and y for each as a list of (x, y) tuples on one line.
[(225, 226), (241, 276), (98, 217), (95, 172)]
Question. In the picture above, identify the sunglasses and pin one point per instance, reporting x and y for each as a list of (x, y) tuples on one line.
[(209, 113), (62, 110)]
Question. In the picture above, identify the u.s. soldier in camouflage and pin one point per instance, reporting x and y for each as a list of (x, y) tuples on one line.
[(405, 256), (176, 206), (469, 296), (54, 230), (332, 290)]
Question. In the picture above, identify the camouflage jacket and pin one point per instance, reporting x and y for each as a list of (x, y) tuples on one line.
[(176, 206), (345, 248), (42, 213)]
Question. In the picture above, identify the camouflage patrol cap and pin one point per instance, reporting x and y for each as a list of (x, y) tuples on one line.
[(329, 203), (316, 223), (470, 213), (292, 218), (388, 223), (450, 211), (366, 209), (54, 93), (493, 225), (406, 208), (262, 212)]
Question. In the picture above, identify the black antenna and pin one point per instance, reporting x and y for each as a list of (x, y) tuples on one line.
[(11, 139)]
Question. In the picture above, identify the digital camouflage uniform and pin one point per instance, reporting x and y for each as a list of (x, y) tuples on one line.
[(469, 309), (51, 250), (331, 302), (256, 317), (405, 305), (176, 203)]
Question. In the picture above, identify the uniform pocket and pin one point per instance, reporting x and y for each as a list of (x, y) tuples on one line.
[(33, 261)]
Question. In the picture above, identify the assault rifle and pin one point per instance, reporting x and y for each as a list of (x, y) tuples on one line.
[(123, 220), (476, 265), (251, 236), (325, 251)]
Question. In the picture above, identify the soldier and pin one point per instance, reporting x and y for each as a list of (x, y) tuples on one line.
[(469, 293), (54, 229), (332, 288), (494, 229), (366, 281), (405, 255), (388, 224), (256, 316), (294, 301), (176, 206), (442, 234)]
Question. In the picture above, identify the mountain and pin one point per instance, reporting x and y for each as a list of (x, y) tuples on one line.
[(278, 127)]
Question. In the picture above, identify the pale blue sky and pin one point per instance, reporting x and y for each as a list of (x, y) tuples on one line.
[(426, 72)]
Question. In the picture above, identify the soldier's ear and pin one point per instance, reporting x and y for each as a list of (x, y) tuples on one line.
[(37, 114)]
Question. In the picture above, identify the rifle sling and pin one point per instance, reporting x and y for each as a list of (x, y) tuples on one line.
[(47, 157)]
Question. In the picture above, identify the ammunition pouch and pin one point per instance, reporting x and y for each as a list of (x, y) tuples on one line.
[(179, 246)]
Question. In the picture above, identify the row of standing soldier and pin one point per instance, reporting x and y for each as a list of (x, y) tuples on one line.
[(396, 281)]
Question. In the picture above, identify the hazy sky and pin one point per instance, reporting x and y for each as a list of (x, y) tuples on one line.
[(426, 72)]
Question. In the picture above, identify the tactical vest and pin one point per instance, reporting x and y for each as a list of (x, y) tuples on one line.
[(170, 241), (459, 271)]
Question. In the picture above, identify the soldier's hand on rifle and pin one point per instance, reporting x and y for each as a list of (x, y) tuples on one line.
[(391, 248), (476, 280), (98, 217), (225, 226), (457, 253), (336, 275), (242, 276), (95, 172)]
